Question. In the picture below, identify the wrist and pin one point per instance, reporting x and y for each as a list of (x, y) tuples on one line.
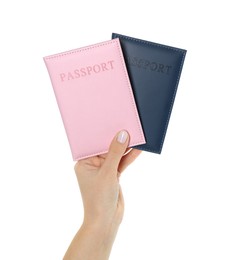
[(100, 229)]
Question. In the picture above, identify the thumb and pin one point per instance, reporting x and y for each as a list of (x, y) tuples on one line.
[(117, 149)]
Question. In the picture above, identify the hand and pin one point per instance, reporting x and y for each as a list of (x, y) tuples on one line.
[(98, 179)]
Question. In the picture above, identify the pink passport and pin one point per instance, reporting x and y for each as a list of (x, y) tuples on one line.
[(94, 96)]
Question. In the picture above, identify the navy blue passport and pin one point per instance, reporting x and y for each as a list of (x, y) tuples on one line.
[(154, 71)]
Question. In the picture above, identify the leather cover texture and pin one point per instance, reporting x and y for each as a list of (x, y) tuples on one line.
[(94, 96), (154, 71)]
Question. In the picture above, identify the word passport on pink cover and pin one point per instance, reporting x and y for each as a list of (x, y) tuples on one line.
[(95, 98)]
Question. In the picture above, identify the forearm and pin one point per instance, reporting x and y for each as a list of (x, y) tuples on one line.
[(92, 243), (98, 179)]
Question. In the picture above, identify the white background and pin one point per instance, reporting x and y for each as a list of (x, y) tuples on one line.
[(178, 204)]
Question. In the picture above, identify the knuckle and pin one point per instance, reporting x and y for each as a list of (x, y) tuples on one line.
[(77, 166), (115, 150)]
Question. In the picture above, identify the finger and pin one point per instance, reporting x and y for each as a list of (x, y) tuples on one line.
[(117, 148), (103, 156), (128, 150), (128, 159)]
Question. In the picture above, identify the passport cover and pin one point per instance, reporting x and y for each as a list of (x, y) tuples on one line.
[(94, 96), (154, 71)]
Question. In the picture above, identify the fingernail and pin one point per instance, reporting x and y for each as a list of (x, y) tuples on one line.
[(122, 137)]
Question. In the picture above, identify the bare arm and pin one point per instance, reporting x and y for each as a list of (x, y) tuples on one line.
[(98, 179)]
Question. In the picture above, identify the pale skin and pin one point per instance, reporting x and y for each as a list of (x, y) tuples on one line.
[(98, 178)]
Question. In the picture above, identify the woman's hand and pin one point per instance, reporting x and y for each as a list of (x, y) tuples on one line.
[(98, 179)]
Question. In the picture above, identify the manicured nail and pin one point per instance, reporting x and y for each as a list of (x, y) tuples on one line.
[(122, 137)]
